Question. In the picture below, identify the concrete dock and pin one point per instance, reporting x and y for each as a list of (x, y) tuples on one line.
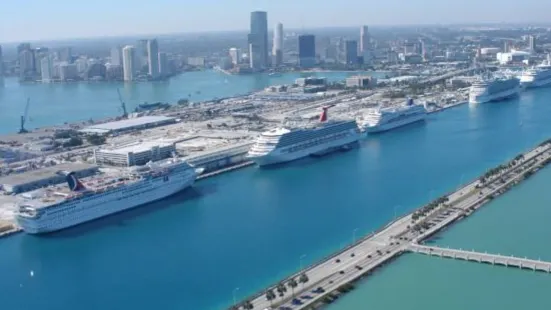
[(404, 234), (486, 258)]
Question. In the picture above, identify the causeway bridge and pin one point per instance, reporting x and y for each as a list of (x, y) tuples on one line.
[(485, 258)]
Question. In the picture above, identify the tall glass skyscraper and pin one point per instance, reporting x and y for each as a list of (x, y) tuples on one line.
[(306, 50), (258, 40)]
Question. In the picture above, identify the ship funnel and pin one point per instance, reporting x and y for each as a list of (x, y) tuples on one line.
[(410, 102), (74, 184), (323, 116)]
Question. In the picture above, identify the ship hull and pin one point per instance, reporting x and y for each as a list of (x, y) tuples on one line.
[(510, 93), (536, 83), (393, 125), (279, 156), (84, 211)]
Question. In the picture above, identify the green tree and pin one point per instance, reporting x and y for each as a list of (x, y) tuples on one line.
[(270, 295), (292, 283), (248, 305), (303, 278), (95, 139)]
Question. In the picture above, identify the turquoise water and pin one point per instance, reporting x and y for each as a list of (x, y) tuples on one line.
[(54, 104), (249, 228), (420, 282)]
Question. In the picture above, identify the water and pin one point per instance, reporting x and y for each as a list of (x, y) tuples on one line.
[(54, 104), (249, 228)]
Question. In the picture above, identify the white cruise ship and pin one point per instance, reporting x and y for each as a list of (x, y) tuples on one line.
[(378, 120), (494, 88), (296, 141), (537, 76), (55, 208)]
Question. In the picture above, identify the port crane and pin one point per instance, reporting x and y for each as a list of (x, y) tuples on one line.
[(24, 117), (123, 105)]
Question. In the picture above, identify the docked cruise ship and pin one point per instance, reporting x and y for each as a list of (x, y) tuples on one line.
[(378, 120), (57, 207), (494, 88), (296, 141), (537, 76)]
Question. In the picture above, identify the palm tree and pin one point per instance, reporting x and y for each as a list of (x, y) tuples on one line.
[(303, 278), (247, 305), (281, 289), (292, 284), (270, 296)]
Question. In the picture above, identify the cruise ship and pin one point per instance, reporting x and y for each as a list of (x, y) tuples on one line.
[(57, 207), (291, 142), (537, 76), (494, 88), (378, 120)]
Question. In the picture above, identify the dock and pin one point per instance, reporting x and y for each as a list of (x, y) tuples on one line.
[(485, 258), (8, 228), (336, 272)]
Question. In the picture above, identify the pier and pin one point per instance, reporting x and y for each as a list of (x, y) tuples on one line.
[(485, 258), (332, 275)]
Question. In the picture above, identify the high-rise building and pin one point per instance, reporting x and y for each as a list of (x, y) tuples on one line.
[(277, 49), (140, 55), (67, 71), (258, 40), (116, 56), (532, 43), (163, 64), (351, 52), (365, 44), (1, 66), (23, 46), (128, 62), (307, 50), (506, 47), (235, 55), (65, 54), (47, 71), (27, 66), (153, 58)]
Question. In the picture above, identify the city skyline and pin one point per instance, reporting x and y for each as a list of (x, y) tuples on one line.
[(60, 22)]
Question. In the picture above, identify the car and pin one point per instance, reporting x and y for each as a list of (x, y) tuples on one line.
[(296, 302), (341, 272)]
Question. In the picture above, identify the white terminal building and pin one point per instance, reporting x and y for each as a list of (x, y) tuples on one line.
[(134, 154), (513, 57), (361, 81)]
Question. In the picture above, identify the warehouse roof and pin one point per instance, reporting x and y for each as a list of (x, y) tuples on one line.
[(41, 174), (128, 124)]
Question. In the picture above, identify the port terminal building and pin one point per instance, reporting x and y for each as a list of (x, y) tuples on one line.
[(134, 154), (130, 124), (35, 179), (221, 157)]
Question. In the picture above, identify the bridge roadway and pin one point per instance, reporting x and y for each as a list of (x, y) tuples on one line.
[(493, 259), (375, 249)]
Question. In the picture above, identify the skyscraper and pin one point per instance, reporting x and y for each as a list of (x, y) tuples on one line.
[(140, 55), (258, 40), (128, 62), (351, 52), (46, 69), (163, 64), (532, 43), (235, 55), (153, 58), (277, 50), (116, 56), (1, 66), (306, 50)]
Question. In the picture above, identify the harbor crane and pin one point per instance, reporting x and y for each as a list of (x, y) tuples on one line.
[(123, 105), (24, 117)]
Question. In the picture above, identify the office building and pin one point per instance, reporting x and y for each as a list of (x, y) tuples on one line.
[(365, 44), (65, 54), (140, 55), (47, 71), (128, 62), (277, 49), (137, 153), (153, 58), (235, 55), (163, 64), (351, 52), (361, 82), (1, 66), (116, 56), (67, 71), (532, 43), (258, 40), (306, 50), (27, 66)]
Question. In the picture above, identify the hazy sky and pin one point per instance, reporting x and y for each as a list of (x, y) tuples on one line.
[(56, 19)]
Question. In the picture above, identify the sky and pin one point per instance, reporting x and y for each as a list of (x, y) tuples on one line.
[(30, 20)]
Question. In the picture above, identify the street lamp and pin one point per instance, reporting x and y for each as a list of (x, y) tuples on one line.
[(396, 211), (354, 235), (301, 258), (233, 294)]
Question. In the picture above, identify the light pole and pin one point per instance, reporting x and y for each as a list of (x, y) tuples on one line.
[(233, 294), (301, 258), (396, 211), (430, 195), (354, 235)]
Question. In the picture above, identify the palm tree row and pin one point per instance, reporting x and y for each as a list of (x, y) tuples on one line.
[(281, 288), (431, 206)]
